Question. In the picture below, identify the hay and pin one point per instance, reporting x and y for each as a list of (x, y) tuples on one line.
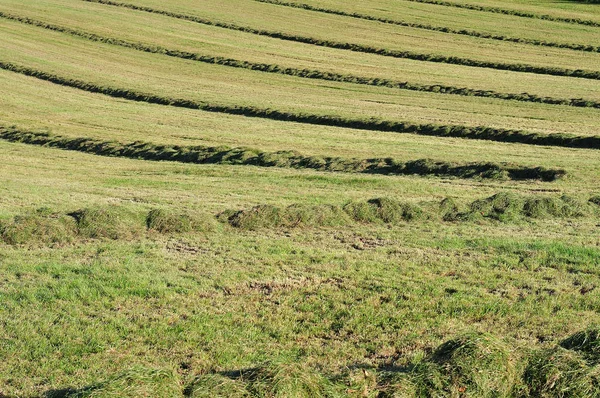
[(40, 227), (560, 372), (166, 221), (473, 365), (110, 222)]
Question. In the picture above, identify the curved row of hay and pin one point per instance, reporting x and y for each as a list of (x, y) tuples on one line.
[(507, 11), (46, 227), (503, 207), (308, 73), (553, 71), (444, 29), (471, 365), (284, 159), (372, 124)]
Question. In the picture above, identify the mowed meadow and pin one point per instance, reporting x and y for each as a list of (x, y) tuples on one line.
[(307, 198)]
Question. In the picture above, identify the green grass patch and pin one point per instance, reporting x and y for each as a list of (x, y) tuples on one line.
[(168, 221), (42, 227), (109, 222)]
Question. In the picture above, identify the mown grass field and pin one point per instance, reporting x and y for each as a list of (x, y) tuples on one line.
[(299, 199)]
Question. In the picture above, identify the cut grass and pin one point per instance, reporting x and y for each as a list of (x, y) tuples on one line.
[(285, 159), (108, 222), (407, 52), (306, 73), (224, 88), (167, 221), (40, 227), (478, 132), (471, 366), (445, 29), (503, 207), (158, 30), (336, 295), (466, 20), (508, 11)]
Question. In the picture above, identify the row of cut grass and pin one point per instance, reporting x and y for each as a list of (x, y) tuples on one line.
[(504, 207), (288, 159), (555, 62), (36, 105), (508, 11), (162, 31), (47, 227), (568, 9), (187, 186), (306, 73), (468, 20), (477, 132), (445, 29)]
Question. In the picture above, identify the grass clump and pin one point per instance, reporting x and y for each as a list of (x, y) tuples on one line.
[(265, 216), (40, 227), (166, 221), (544, 207), (362, 212), (290, 380), (507, 207), (111, 222), (474, 365), (392, 211), (216, 385), (503, 206), (261, 216), (586, 342), (134, 383), (315, 216), (448, 209), (560, 372)]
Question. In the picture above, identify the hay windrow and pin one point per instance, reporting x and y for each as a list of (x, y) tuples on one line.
[(444, 29), (372, 124), (508, 11), (475, 365), (109, 222), (307, 73), (283, 159), (168, 221), (506, 207), (553, 71), (509, 207), (39, 227)]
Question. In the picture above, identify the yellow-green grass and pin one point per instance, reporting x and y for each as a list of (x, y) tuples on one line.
[(185, 36), (58, 184), (463, 19), (154, 74), (363, 305), (36, 105), (562, 9), (344, 29), (230, 300)]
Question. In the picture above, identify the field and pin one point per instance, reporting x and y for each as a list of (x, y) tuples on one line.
[(312, 198)]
